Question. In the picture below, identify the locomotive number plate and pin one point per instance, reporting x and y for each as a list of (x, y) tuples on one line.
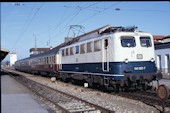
[(139, 68)]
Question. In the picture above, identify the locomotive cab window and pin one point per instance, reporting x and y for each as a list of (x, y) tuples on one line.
[(127, 41), (145, 41)]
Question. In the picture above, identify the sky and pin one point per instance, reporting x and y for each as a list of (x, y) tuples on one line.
[(48, 22)]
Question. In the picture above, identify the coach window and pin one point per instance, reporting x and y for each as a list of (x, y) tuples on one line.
[(71, 51), (47, 60), (82, 48), (97, 45), (145, 42), (77, 49), (54, 59), (50, 59), (39, 61), (128, 41), (89, 47)]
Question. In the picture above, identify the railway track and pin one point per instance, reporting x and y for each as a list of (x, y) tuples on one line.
[(148, 98), (65, 102)]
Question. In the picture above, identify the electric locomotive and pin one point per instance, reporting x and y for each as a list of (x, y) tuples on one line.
[(116, 57)]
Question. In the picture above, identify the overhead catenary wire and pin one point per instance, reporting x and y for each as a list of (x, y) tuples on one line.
[(141, 10), (79, 9), (98, 13), (67, 20), (23, 28), (22, 33), (29, 16), (104, 9), (55, 27)]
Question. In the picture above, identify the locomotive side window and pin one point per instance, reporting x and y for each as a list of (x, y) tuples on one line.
[(77, 49), (89, 47), (71, 51), (105, 43), (97, 45), (127, 41), (145, 41), (63, 52), (82, 48), (67, 51)]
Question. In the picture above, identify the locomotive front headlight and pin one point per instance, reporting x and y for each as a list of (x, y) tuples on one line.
[(152, 60), (126, 61)]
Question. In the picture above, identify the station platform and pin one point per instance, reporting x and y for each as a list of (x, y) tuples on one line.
[(15, 98)]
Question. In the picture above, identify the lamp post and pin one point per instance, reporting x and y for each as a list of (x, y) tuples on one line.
[(35, 44)]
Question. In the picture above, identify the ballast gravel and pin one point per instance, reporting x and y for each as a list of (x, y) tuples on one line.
[(112, 102)]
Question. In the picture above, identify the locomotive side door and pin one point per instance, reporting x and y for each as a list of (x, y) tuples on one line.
[(105, 54)]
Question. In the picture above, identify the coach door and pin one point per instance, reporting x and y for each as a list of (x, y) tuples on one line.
[(105, 55)]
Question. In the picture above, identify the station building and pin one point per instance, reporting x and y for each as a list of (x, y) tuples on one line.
[(13, 58), (162, 55)]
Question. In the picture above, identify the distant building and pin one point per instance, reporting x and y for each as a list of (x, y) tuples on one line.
[(13, 58), (158, 38), (35, 51), (161, 39), (162, 55)]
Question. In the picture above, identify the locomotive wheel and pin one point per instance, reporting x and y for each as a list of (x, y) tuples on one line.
[(90, 81), (117, 88), (144, 86), (90, 84), (126, 88)]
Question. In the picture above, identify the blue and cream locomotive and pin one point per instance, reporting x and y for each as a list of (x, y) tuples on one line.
[(118, 57)]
